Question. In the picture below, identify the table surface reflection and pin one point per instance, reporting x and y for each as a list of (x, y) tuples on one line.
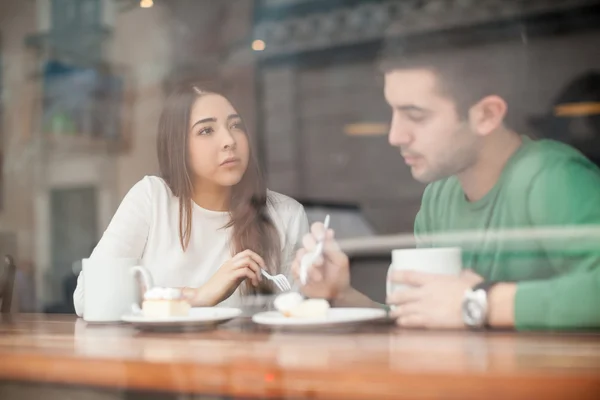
[(375, 361)]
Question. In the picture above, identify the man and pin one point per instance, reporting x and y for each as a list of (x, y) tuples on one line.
[(448, 122)]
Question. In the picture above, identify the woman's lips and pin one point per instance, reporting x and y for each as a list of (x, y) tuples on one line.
[(230, 162)]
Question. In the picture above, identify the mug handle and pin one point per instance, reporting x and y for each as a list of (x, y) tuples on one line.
[(147, 284), (388, 285), (135, 308)]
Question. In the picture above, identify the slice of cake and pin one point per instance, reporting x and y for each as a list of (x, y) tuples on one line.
[(286, 302), (294, 305), (165, 302), (310, 308)]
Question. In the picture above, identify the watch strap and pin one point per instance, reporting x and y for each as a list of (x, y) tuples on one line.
[(485, 286)]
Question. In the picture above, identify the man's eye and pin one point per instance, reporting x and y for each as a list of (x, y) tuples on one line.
[(417, 118)]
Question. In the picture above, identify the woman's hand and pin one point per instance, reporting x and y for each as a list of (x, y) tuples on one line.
[(242, 266)]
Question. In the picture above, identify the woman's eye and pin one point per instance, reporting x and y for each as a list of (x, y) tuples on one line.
[(239, 126), (205, 131)]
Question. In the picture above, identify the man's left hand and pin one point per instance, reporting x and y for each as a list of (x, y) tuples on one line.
[(433, 301)]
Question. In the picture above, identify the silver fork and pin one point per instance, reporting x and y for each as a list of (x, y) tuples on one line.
[(279, 280)]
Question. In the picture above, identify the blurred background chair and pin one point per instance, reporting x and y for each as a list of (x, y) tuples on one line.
[(7, 283)]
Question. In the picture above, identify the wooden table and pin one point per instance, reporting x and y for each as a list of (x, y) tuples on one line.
[(240, 359)]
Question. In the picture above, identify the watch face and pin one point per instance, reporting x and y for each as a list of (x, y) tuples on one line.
[(474, 311), (474, 308)]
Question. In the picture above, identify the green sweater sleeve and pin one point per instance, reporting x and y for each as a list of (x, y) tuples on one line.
[(568, 302), (566, 197)]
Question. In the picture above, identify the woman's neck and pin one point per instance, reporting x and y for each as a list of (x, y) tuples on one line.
[(212, 197)]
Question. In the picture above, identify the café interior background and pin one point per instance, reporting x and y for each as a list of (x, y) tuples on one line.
[(82, 83)]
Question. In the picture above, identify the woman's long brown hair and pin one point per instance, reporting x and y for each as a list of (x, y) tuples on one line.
[(252, 227)]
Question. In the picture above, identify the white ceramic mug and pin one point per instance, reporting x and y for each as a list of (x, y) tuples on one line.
[(109, 288), (443, 260)]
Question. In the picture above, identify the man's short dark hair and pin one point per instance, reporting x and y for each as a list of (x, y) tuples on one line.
[(466, 72)]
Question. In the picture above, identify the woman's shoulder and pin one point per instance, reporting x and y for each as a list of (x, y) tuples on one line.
[(289, 217), (284, 210), (151, 186), (283, 204)]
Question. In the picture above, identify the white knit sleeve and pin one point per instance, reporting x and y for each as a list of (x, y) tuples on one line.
[(126, 234)]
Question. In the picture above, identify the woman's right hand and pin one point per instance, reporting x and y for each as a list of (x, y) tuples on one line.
[(244, 265)]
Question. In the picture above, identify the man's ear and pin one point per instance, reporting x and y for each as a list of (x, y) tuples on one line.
[(487, 115)]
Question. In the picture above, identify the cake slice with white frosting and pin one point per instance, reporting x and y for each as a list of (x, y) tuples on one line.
[(293, 304), (165, 302)]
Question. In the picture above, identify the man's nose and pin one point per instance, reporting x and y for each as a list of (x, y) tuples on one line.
[(400, 135)]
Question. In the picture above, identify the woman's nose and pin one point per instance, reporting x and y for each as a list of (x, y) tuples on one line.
[(228, 139)]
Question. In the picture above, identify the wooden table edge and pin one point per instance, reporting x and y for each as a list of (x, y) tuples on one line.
[(251, 379)]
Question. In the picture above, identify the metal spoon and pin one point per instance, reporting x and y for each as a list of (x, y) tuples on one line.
[(309, 258)]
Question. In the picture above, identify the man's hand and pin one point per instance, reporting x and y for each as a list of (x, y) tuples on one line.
[(434, 301), (329, 276)]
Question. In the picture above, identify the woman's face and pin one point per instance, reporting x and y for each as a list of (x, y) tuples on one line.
[(218, 143)]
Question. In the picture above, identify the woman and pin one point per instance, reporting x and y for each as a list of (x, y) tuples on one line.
[(208, 223)]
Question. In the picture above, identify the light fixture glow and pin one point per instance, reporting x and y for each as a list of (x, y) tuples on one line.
[(366, 129), (146, 3), (577, 109), (258, 45)]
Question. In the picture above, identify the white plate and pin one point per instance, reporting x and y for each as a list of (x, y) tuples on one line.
[(198, 317), (334, 317)]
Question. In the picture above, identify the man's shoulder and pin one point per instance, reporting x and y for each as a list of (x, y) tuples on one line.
[(565, 189), (547, 159), (551, 149), (544, 153)]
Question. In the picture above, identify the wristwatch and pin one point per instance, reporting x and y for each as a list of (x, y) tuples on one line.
[(475, 308)]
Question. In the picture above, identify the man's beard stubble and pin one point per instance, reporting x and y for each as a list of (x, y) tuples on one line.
[(456, 161)]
